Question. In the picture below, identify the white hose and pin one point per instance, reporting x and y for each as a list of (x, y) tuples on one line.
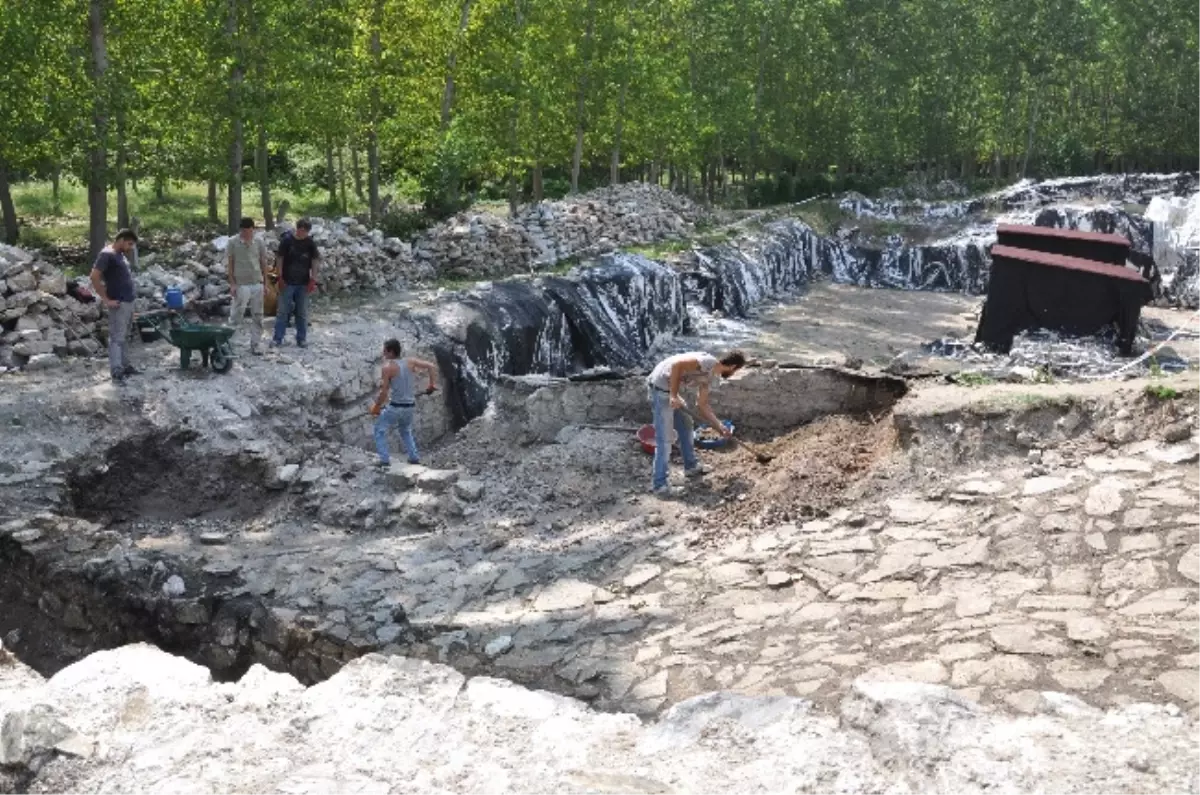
[(1144, 356)]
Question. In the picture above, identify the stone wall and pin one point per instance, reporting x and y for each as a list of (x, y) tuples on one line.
[(39, 321), (770, 400)]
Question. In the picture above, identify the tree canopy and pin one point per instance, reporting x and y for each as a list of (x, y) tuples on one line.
[(525, 96)]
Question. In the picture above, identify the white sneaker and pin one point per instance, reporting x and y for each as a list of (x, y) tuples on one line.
[(697, 472), (667, 491)]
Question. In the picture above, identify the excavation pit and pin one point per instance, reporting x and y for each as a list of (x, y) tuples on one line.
[(159, 477)]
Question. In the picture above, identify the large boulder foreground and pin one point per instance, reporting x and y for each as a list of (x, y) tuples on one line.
[(136, 719)]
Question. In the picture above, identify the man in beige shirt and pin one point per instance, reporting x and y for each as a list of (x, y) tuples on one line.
[(246, 263)]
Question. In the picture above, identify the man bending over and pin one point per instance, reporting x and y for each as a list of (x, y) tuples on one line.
[(668, 377)]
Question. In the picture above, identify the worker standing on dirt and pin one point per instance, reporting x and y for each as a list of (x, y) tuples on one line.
[(297, 261), (668, 377), (246, 265), (112, 280), (399, 410)]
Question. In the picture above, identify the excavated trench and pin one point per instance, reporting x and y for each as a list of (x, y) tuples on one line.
[(74, 583), (157, 477), (93, 576), (106, 570)]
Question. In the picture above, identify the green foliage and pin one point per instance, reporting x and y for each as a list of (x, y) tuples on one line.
[(1162, 392), (749, 103), (405, 223)]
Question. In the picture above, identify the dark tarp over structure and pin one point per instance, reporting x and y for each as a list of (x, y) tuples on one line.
[(1112, 249), (1035, 289)]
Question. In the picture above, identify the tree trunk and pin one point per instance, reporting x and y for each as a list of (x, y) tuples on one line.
[(356, 174), (451, 63), (330, 171), (752, 166), (581, 98), (7, 209), (614, 171), (514, 143), (376, 48), (213, 213), (55, 179), (122, 193), (237, 144), (159, 187), (1033, 114), (720, 173), (98, 152), (538, 192), (342, 177), (262, 166)]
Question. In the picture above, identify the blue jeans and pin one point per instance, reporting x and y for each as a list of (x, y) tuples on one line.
[(402, 417), (664, 417), (294, 297)]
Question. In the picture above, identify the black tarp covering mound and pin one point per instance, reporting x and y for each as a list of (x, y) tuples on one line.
[(609, 315), (732, 279), (1034, 289)]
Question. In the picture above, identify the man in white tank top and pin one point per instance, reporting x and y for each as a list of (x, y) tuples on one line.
[(666, 379), (396, 404)]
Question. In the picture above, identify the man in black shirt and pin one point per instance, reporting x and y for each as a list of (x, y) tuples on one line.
[(112, 280), (297, 262)]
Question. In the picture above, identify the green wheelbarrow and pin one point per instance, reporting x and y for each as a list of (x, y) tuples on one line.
[(211, 341)]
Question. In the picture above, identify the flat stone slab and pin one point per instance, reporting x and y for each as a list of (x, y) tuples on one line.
[(566, 594), (469, 490), (404, 476), (437, 480)]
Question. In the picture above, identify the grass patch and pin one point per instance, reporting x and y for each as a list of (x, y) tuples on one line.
[(824, 216), (660, 249), (182, 207), (1160, 392), (973, 379)]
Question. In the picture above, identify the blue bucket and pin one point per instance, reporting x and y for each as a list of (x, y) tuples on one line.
[(710, 444), (174, 298)]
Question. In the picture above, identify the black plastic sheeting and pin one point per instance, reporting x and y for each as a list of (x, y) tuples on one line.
[(610, 316)]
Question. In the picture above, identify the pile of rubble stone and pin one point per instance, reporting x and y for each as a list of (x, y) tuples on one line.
[(474, 245), (353, 257), (478, 245), (39, 319)]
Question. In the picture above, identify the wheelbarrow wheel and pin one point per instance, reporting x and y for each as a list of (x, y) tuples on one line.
[(220, 359)]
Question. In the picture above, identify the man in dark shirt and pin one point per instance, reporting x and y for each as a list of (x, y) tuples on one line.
[(112, 280), (297, 262)]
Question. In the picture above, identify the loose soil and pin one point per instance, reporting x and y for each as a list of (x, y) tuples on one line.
[(815, 469)]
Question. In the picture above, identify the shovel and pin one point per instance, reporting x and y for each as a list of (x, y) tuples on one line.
[(365, 414), (760, 455)]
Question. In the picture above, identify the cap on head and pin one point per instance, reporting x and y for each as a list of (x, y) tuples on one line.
[(304, 224), (126, 234), (392, 346), (246, 223)]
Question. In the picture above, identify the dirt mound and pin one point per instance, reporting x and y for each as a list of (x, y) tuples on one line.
[(814, 470)]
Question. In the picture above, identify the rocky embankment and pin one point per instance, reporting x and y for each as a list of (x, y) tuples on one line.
[(467, 246), (136, 719)]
